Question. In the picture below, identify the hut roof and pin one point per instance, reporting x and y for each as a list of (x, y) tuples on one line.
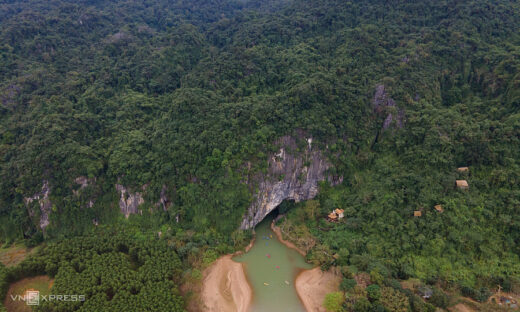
[(462, 184), (439, 208), (332, 215), (462, 169), (417, 213), (338, 211)]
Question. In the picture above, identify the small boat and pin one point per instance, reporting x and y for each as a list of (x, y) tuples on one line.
[(266, 284), (286, 282)]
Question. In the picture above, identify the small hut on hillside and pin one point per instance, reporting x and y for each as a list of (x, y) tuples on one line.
[(463, 169), (332, 216), (417, 213), (335, 215), (438, 208), (462, 184)]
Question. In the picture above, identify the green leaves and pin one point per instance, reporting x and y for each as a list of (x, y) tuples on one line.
[(114, 272)]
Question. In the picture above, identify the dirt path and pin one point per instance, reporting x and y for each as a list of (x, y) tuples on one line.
[(313, 285), (225, 287)]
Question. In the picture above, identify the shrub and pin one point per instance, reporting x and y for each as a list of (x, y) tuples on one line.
[(483, 294), (362, 305), (480, 295), (393, 283), (333, 301), (439, 298), (373, 292), (347, 284), (209, 257), (467, 291), (4, 283), (376, 277), (394, 300), (196, 274)]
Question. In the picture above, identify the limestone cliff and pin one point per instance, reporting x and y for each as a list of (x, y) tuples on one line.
[(293, 173), (83, 183), (44, 203), (164, 202), (129, 201), (383, 104)]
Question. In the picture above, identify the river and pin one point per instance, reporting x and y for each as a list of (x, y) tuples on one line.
[(271, 262)]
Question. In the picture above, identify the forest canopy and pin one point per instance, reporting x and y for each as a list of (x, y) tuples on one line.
[(178, 97)]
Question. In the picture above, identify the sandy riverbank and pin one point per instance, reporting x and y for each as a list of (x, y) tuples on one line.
[(225, 287), (313, 285)]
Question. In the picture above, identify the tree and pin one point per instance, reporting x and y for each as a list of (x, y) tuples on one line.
[(394, 300), (347, 284), (333, 301), (373, 292), (362, 305)]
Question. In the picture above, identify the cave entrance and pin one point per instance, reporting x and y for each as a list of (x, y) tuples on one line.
[(283, 208)]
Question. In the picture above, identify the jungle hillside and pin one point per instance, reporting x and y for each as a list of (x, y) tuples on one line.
[(130, 132)]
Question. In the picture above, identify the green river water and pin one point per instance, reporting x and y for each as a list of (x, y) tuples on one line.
[(283, 264)]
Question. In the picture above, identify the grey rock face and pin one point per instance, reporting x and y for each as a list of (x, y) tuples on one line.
[(163, 199), (45, 204), (84, 182), (128, 201), (291, 175), (383, 104)]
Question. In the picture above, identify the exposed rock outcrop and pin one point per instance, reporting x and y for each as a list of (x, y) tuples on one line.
[(84, 182), (291, 174), (128, 201), (119, 37), (384, 104), (163, 199), (44, 202)]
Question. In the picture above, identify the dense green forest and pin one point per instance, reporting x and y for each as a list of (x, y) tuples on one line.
[(112, 271), (178, 96)]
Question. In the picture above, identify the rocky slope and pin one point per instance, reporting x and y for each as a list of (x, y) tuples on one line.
[(383, 104), (44, 204), (129, 201), (293, 174)]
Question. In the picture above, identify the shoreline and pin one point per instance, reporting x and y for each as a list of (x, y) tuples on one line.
[(219, 291), (313, 285), (289, 244), (225, 286)]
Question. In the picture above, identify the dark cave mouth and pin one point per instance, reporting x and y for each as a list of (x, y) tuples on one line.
[(281, 209)]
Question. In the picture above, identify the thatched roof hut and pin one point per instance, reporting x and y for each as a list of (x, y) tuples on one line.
[(332, 216), (462, 184)]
